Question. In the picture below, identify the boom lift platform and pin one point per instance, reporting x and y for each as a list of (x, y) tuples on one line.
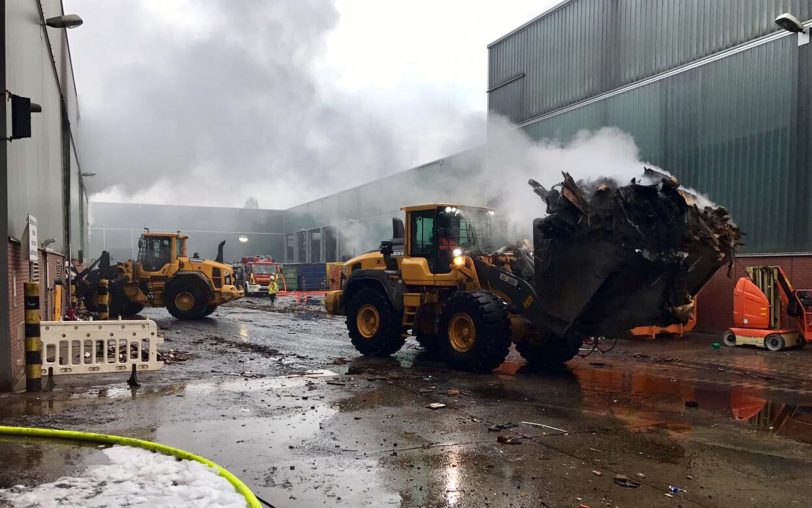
[(759, 302)]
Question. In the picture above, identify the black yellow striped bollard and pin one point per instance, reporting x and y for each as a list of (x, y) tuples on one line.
[(74, 297), (33, 343), (103, 300)]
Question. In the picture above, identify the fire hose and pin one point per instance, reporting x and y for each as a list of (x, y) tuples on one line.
[(73, 435)]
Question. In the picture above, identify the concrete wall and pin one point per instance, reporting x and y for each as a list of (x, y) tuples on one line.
[(116, 228)]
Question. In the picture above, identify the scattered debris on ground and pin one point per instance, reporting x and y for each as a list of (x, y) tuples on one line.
[(499, 427), (625, 481), (174, 356), (509, 440)]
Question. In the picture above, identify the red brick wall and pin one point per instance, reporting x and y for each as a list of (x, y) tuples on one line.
[(18, 272), (715, 300), (17, 275)]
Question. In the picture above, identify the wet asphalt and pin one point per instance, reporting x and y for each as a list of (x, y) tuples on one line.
[(279, 396)]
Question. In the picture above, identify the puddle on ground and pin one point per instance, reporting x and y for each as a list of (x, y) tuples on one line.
[(641, 399)]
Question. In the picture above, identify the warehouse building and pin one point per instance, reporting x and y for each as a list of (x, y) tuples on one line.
[(44, 209), (714, 92)]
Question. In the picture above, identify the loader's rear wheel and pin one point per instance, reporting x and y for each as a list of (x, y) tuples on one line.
[(475, 331), (774, 342), (373, 324), (729, 338), (553, 351), (185, 301)]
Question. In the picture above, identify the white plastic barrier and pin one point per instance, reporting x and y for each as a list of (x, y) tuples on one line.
[(86, 347)]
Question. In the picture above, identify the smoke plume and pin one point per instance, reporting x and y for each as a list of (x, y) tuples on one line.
[(207, 103)]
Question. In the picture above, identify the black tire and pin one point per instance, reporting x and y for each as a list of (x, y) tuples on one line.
[(195, 301), (553, 351), (132, 308), (430, 343), (729, 338), (381, 333), (475, 331), (209, 310), (774, 342)]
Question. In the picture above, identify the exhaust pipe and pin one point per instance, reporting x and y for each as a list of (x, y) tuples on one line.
[(219, 257)]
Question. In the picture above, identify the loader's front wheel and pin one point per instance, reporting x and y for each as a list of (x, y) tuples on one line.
[(209, 310), (553, 351), (475, 331), (373, 324), (185, 301)]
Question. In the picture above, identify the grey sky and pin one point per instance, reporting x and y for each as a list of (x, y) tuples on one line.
[(210, 102)]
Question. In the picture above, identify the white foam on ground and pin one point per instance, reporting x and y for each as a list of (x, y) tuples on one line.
[(134, 477)]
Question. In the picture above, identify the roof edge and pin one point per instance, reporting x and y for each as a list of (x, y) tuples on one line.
[(546, 13)]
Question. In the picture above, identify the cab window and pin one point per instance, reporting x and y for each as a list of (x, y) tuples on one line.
[(155, 253), (422, 227)]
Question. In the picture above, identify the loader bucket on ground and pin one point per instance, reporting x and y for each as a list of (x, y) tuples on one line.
[(609, 258)]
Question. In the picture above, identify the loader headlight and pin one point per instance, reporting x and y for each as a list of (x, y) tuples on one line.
[(458, 259)]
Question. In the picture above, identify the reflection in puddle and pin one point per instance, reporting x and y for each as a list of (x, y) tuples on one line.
[(452, 475), (641, 400)]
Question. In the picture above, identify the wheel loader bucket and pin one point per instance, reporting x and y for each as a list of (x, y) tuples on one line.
[(609, 258)]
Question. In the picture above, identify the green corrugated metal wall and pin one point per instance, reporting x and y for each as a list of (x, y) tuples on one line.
[(730, 129), (588, 47)]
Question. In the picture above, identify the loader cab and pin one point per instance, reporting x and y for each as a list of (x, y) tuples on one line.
[(435, 231), (157, 251)]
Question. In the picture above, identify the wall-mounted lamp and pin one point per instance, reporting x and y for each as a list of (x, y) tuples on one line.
[(48, 242), (789, 23), (64, 21), (242, 238), (792, 25)]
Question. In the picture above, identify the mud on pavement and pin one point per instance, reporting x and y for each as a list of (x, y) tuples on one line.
[(278, 395)]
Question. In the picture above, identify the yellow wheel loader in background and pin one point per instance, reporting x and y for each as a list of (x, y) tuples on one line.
[(163, 275), (604, 260)]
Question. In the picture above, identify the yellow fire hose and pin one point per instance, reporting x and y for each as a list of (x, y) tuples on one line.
[(250, 497)]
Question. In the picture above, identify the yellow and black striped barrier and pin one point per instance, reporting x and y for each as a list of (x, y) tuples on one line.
[(74, 296), (33, 344), (103, 300)]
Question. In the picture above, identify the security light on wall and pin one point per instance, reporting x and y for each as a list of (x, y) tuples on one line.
[(790, 23), (65, 21), (242, 238)]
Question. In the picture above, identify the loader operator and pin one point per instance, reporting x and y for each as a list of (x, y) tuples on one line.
[(446, 243)]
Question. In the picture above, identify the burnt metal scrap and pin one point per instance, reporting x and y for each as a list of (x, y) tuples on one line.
[(610, 257)]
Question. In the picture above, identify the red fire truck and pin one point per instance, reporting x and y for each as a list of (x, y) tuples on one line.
[(258, 273)]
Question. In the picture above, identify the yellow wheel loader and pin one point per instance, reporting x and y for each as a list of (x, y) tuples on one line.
[(605, 259), (163, 275)]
